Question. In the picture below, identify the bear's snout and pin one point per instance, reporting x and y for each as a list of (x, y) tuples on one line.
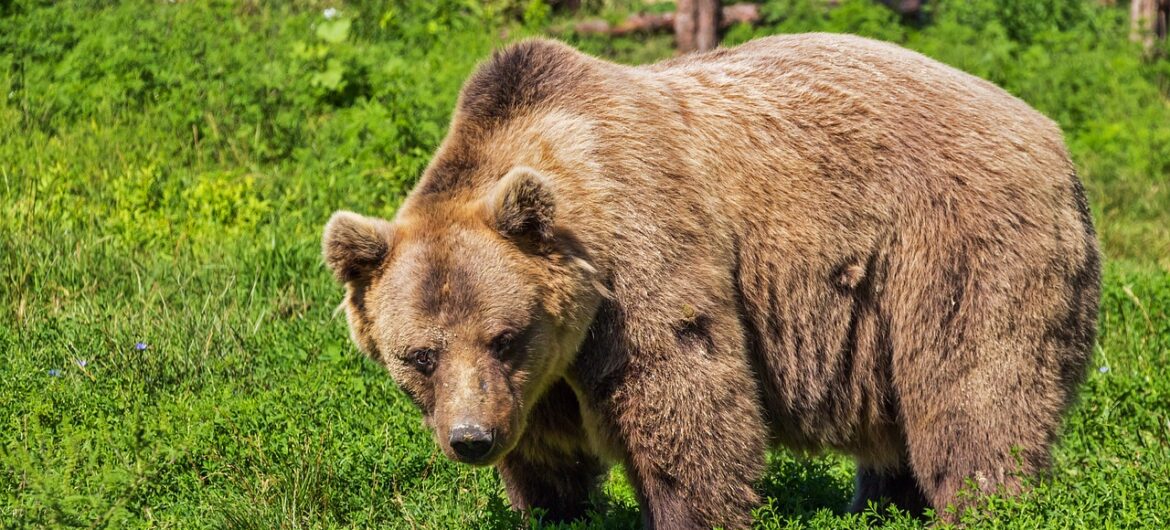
[(471, 442)]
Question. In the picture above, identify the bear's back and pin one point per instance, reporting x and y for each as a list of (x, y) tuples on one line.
[(830, 140), (895, 105)]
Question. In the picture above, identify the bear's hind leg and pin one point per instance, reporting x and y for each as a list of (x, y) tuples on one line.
[(984, 414), (963, 451), (990, 342)]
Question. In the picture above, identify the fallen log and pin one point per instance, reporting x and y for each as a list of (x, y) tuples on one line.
[(651, 22)]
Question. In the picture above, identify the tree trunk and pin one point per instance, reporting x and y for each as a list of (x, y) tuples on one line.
[(696, 25), (706, 31), (1162, 20), (1148, 20), (684, 26)]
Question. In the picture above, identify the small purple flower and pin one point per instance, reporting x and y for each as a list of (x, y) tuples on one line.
[(140, 346), (1103, 369), (82, 362), (53, 372)]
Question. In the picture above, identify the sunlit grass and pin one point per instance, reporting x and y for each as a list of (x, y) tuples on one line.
[(171, 355)]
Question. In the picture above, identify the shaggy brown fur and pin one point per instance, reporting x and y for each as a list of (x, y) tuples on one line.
[(816, 241)]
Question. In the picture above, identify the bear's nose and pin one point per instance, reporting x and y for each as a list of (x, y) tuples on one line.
[(471, 442)]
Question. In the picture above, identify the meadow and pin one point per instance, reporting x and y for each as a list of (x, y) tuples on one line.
[(170, 351)]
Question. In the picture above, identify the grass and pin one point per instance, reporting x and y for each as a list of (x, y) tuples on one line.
[(164, 174)]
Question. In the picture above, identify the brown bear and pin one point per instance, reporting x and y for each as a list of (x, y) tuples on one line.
[(811, 241)]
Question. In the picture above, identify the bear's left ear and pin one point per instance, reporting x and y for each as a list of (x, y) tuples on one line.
[(355, 245), (522, 206)]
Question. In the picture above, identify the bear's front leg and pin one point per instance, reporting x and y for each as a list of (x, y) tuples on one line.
[(552, 468), (683, 406)]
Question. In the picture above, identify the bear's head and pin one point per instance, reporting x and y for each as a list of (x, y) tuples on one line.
[(475, 303)]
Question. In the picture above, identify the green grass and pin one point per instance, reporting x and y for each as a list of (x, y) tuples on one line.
[(165, 170)]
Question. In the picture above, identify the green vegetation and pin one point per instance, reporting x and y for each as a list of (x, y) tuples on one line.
[(165, 169)]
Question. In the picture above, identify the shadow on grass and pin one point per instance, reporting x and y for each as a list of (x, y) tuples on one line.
[(605, 514), (797, 488), (816, 493), (792, 489)]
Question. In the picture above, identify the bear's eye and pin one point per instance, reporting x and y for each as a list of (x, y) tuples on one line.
[(502, 343), (423, 359)]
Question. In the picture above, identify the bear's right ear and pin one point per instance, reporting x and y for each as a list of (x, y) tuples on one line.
[(522, 206), (354, 245)]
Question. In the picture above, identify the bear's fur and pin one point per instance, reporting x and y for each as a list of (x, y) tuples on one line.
[(813, 241)]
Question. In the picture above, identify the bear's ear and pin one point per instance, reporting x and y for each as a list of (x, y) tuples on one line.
[(522, 206), (354, 245)]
